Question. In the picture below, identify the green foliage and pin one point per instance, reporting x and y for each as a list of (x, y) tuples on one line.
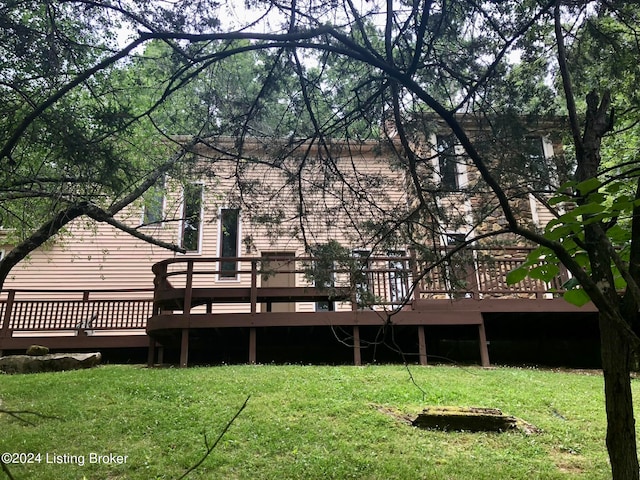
[(82, 147), (576, 296), (333, 261)]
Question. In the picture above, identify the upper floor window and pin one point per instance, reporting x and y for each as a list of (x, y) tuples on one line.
[(153, 208), (229, 236), (537, 164), (447, 162), (191, 217)]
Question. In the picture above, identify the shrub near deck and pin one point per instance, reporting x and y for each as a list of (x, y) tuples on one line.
[(303, 422)]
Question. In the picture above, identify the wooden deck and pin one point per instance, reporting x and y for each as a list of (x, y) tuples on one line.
[(194, 295), (377, 291)]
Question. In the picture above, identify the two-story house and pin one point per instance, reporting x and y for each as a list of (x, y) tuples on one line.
[(296, 246)]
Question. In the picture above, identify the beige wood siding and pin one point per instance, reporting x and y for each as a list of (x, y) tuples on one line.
[(94, 256)]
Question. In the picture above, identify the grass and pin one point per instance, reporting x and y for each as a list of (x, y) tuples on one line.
[(303, 422)]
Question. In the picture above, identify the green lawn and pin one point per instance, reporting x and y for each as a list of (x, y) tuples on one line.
[(305, 422)]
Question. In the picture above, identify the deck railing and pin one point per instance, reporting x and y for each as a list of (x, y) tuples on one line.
[(371, 281), (364, 282), (482, 273), (73, 311)]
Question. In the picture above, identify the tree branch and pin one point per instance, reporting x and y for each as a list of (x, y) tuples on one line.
[(215, 444), (60, 93), (100, 215), (566, 81), (39, 237)]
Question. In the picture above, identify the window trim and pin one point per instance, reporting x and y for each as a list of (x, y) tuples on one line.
[(552, 174), (453, 238), (461, 175)]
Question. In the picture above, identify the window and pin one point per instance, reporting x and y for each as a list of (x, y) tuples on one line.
[(229, 235), (447, 162), (153, 209), (192, 217), (536, 163)]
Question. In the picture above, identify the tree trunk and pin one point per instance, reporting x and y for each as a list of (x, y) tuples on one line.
[(621, 428)]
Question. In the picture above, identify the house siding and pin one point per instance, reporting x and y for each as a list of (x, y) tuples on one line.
[(345, 184), (95, 256)]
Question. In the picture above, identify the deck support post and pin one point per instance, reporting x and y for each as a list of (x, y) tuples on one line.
[(357, 359), (151, 354), (160, 354), (252, 346), (422, 345), (184, 348), (5, 332), (484, 350)]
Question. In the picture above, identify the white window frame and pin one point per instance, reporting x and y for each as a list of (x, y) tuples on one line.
[(462, 176), (548, 152)]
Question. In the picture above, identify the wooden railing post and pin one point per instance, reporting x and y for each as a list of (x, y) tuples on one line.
[(160, 283), (422, 345), (472, 281), (254, 286), (254, 308), (415, 283), (188, 295), (6, 332), (85, 319)]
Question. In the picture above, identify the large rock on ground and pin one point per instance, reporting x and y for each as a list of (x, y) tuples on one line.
[(49, 363), (471, 419), (37, 350)]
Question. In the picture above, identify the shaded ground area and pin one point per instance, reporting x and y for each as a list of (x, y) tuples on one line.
[(567, 340), (562, 340)]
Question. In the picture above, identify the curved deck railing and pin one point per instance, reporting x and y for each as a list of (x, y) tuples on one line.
[(374, 281)]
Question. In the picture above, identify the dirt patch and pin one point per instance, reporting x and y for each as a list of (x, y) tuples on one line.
[(471, 419), (569, 461), (396, 414)]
